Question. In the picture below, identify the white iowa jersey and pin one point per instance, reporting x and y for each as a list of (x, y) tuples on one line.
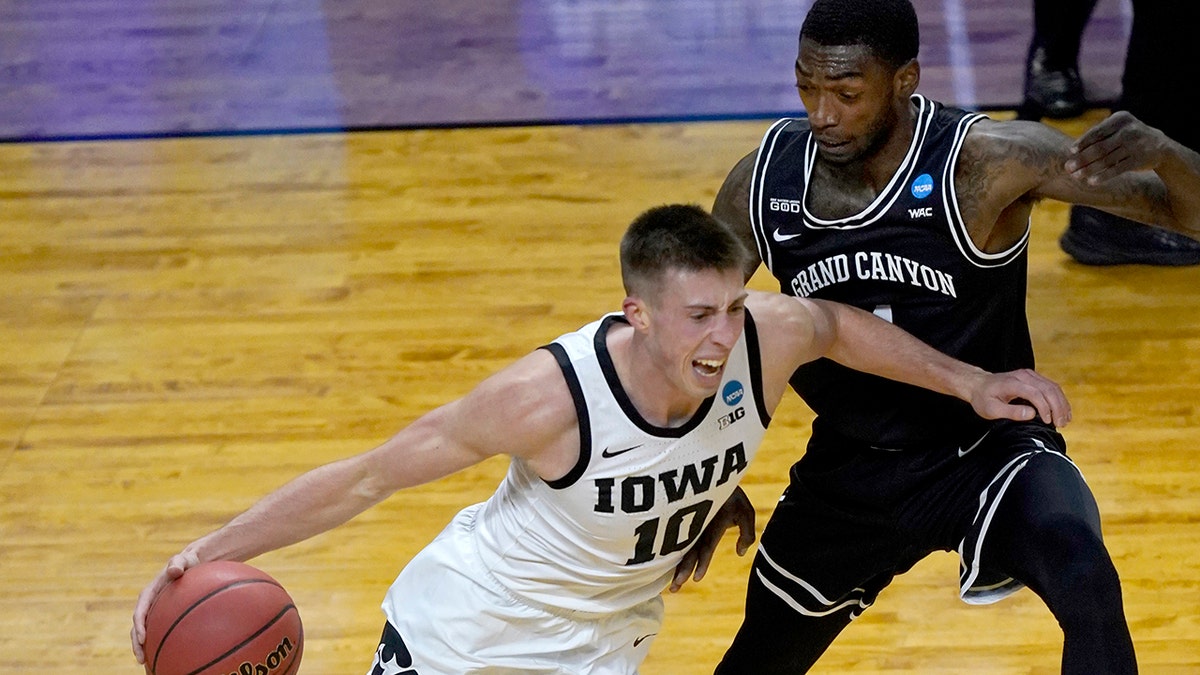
[(608, 535)]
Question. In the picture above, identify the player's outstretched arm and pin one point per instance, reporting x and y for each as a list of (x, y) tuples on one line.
[(865, 342), (1120, 166), (794, 331), (450, 438)]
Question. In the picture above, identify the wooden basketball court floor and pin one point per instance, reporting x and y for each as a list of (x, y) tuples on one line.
[(188, 322)]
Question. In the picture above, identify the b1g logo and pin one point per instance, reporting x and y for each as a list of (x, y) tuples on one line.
[(737, 414), (922, 186), (785, 205)]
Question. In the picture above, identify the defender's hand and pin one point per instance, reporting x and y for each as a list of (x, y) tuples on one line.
[(1021, 395), (737, 511)]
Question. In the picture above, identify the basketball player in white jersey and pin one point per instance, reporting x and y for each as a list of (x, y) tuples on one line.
[(626, 439)]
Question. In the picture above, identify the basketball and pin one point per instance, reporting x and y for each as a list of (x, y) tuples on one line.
[(223, 618)]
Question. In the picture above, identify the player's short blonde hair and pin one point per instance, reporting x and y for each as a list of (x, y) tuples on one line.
[(676, 237)]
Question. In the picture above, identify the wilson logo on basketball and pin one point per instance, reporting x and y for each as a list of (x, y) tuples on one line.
[(271, 663)]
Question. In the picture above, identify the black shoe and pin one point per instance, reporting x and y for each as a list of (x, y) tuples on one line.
[(1053, 93), (1094, 237)]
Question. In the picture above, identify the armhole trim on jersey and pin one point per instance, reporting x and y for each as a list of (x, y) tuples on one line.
[(958, 227), (759, 176), (754, 360), (581, 414)]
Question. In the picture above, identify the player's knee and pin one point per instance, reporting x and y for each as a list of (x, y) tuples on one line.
[(1091, 577), (1093, 605), (1081, 570), (1053, 510)]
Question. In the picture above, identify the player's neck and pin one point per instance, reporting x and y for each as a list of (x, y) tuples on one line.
[(648, 382)]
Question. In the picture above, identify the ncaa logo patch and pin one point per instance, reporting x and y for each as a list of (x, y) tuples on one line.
[(922, 186), (733, 392)]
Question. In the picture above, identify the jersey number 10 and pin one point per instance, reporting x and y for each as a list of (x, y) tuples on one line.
[(672, 541)]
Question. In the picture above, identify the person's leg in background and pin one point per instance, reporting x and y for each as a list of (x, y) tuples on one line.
[(1053, 87)]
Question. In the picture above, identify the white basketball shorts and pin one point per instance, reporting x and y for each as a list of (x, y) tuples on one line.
[(447, 616)]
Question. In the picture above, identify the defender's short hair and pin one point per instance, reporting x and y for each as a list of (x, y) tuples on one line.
[(676, 236), (886, 27)]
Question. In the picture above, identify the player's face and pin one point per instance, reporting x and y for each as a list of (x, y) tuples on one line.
[(849, 94), (697, 317)]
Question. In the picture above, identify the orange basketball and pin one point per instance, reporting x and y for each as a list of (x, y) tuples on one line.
[(223, 618)]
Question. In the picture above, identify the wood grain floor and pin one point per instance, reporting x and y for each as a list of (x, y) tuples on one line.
[(185, 324)]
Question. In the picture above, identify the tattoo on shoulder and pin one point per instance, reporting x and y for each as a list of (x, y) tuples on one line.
[(995, 160), (973, 175), (1038, 155)]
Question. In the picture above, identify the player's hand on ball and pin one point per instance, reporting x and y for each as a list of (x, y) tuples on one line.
[(175, 567)]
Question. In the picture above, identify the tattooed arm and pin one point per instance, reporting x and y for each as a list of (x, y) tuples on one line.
[(1121, 144), (1121, 166), (732, 207)]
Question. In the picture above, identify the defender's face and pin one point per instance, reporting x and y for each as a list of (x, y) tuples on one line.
[(849, 95), (696, 319)]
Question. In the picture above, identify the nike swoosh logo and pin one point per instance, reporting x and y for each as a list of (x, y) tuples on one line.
[(607, 453), (642, 639), (963, 453), (783, 237)]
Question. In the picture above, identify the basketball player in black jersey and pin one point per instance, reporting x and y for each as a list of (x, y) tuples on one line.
[(920, 213)]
